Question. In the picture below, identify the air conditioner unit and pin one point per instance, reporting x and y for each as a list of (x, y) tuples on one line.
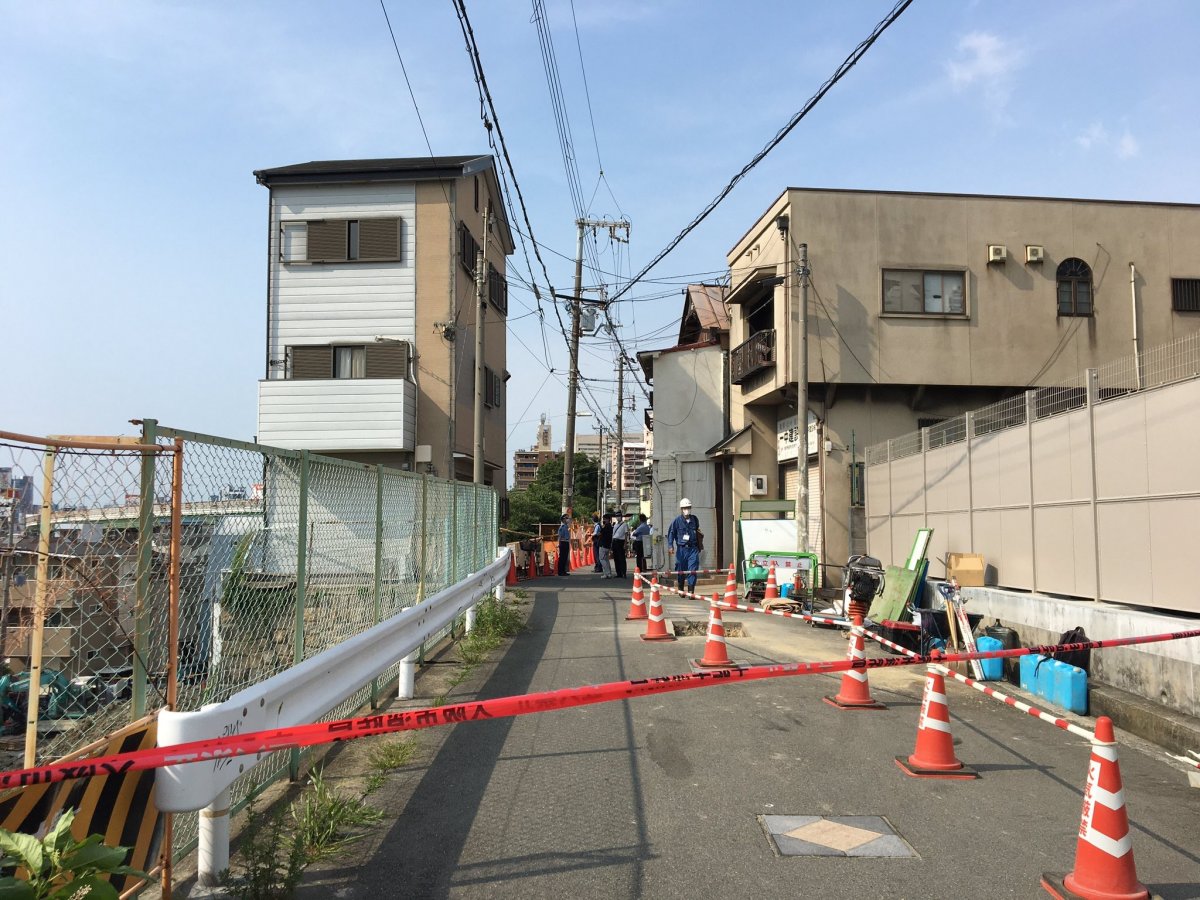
[(997, 253), (1034, 253), (758, 485)]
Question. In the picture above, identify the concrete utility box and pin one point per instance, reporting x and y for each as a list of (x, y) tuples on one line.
[(966, 567)]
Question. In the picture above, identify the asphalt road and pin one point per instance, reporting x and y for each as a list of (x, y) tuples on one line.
[(661, 797)]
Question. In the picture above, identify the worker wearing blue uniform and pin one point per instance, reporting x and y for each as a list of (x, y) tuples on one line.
[(683, 537)]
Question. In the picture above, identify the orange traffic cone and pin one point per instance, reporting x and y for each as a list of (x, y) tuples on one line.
[(855, 692), (656, 622), (532, 566), (934, 754), (511, 578), (574, 559), (1104, 867), (731, 595), (772, 589), (637, 600), (716, 656), (547, 569)]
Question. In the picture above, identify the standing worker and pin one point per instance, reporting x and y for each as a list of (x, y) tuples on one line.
[(684, 537), (605, 546), (620, 533), (640, 536), (596, 542), (564, 544)]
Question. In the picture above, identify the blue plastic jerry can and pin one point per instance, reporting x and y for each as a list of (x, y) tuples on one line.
[(1029, 664), (1070, 688), (993, 669)]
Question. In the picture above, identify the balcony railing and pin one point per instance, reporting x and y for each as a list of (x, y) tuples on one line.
[(754, 355)]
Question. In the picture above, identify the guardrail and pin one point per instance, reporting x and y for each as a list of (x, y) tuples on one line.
[(295, 696)]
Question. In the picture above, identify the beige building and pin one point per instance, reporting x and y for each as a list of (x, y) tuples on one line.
[(922, 307), (527, 462), (371, 312)]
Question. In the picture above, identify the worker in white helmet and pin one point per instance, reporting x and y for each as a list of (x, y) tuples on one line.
[(683, 538)]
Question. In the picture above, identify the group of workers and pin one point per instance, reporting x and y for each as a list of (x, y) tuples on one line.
[(611, 535)]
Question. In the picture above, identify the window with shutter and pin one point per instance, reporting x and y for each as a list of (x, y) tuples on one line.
[(312, 362), (497, 289), (327, 240), (387, 360), (379, 239), (468, 248)]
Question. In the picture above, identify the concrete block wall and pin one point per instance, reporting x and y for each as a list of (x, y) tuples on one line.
[(1167, 673)]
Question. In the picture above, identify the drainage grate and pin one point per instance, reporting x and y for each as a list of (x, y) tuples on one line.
[(835, 836)]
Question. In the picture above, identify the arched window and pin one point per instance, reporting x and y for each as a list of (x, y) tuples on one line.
[(1074, 288)]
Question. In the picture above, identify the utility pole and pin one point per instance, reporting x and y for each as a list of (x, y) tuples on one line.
[(481, 302), (568, 487), (802, 404), (620, 431)]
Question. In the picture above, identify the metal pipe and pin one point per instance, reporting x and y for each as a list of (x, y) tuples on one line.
[(802, 405), (212, 855), (1137, 344), (39, 610), (481, 301)]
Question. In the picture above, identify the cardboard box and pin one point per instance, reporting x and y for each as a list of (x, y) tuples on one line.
[(968, 568)]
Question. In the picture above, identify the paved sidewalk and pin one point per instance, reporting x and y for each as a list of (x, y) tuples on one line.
[(661, 796)]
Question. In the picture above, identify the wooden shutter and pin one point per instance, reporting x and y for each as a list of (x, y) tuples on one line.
[(327, 240), (497, 289), (312, 362), (468, 249), (387, 360), (379, 239)]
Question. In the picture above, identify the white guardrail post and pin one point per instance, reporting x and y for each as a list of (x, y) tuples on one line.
[(297, 696)]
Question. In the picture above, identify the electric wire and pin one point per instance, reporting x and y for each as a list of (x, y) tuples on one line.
[(816, 98)]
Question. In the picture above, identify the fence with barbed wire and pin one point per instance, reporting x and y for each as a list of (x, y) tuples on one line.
[(275, 555)]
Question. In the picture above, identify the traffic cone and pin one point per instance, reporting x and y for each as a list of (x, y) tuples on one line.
[(532, 566), (574, 559), (637, 600), (511, 578), (547, 569), (1104, 867), (716, 656), (656, 622), (772, 589), (934, 754), (855, 692), (731, 595)]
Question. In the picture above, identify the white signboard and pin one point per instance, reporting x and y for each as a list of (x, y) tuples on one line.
[(789, 437)]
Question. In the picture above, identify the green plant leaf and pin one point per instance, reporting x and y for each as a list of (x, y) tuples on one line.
[(58, 838), (25, 848), (94, 887), (95, 856), (11, 889)]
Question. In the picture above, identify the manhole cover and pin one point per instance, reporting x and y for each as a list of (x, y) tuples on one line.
[(835, 836)]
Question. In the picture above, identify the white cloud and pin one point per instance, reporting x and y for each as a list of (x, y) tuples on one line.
[(1127, 146), (1096, 135), (983, 58)]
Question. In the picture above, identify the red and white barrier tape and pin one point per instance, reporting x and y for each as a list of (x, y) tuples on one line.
[(387, 723), (725, 604), (990, 691)]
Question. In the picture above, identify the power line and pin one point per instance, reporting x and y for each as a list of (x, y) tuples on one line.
[(837, 76)]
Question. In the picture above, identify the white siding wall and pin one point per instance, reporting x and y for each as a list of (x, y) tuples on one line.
[(341, 302), (339, 414)]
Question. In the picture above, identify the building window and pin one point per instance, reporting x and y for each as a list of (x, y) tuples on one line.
[(349, 362), (497, 289), (341, 240), (493, 388), (1185, 294), (1074, 288), (388, 359), (468, 248), (926, 293)]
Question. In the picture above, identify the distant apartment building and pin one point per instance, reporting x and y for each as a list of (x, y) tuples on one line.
[(371, 312), (527, 462)]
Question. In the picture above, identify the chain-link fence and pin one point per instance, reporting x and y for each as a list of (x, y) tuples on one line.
[(84, 608), (287, 553), (281, 555)]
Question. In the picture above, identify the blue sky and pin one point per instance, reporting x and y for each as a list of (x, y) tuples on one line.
[(133, 241)]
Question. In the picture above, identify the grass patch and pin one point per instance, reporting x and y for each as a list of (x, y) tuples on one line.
[(389, 755)]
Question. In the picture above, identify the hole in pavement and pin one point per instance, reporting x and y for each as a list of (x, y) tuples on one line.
[(692, 628)]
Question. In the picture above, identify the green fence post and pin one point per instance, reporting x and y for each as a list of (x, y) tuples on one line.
[(301, 586), (145, 565), (378, 568)]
